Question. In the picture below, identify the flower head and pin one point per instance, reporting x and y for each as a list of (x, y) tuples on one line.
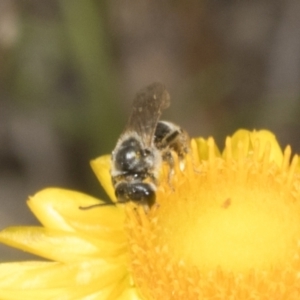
[(226, 226)]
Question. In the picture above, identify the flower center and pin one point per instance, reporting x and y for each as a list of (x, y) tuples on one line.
[(222, 214)]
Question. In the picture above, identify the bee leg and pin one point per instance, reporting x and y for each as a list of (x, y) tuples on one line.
[(145, 207), (156, 206), (182, 161), (168, 158)]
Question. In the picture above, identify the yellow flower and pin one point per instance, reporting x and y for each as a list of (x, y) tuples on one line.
[(227, 226)]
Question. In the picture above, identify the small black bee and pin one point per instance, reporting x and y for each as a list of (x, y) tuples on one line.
[(145, 143)]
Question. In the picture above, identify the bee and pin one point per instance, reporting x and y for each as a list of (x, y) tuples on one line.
[(142, 148), (144, 145)]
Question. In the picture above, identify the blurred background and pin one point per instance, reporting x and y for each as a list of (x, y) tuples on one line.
[(69, 70)]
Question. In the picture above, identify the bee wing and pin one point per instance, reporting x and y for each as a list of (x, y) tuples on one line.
[(147, 107)]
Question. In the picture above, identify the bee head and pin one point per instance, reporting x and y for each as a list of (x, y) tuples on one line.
[(138, 192)]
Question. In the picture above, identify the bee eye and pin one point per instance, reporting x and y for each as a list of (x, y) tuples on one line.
[(146, 152)]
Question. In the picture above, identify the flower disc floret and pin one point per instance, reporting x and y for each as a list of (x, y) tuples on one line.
[(226, 227)]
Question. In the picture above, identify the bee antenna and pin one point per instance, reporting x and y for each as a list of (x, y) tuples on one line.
[(95, 205)]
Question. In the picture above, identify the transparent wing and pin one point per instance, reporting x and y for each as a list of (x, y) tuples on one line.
[(147, 107)]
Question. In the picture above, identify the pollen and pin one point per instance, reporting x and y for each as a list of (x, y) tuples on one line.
[(226, 226)]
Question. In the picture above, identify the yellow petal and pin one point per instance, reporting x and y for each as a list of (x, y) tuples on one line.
[(203, 148), (48, 203), (101, 167), (46, 280), (265, 137), (130, 294), (104, 222), (242, 143), (60, 209), (59, 245)]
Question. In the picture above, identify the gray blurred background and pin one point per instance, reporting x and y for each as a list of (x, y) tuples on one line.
[(69, 70)]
